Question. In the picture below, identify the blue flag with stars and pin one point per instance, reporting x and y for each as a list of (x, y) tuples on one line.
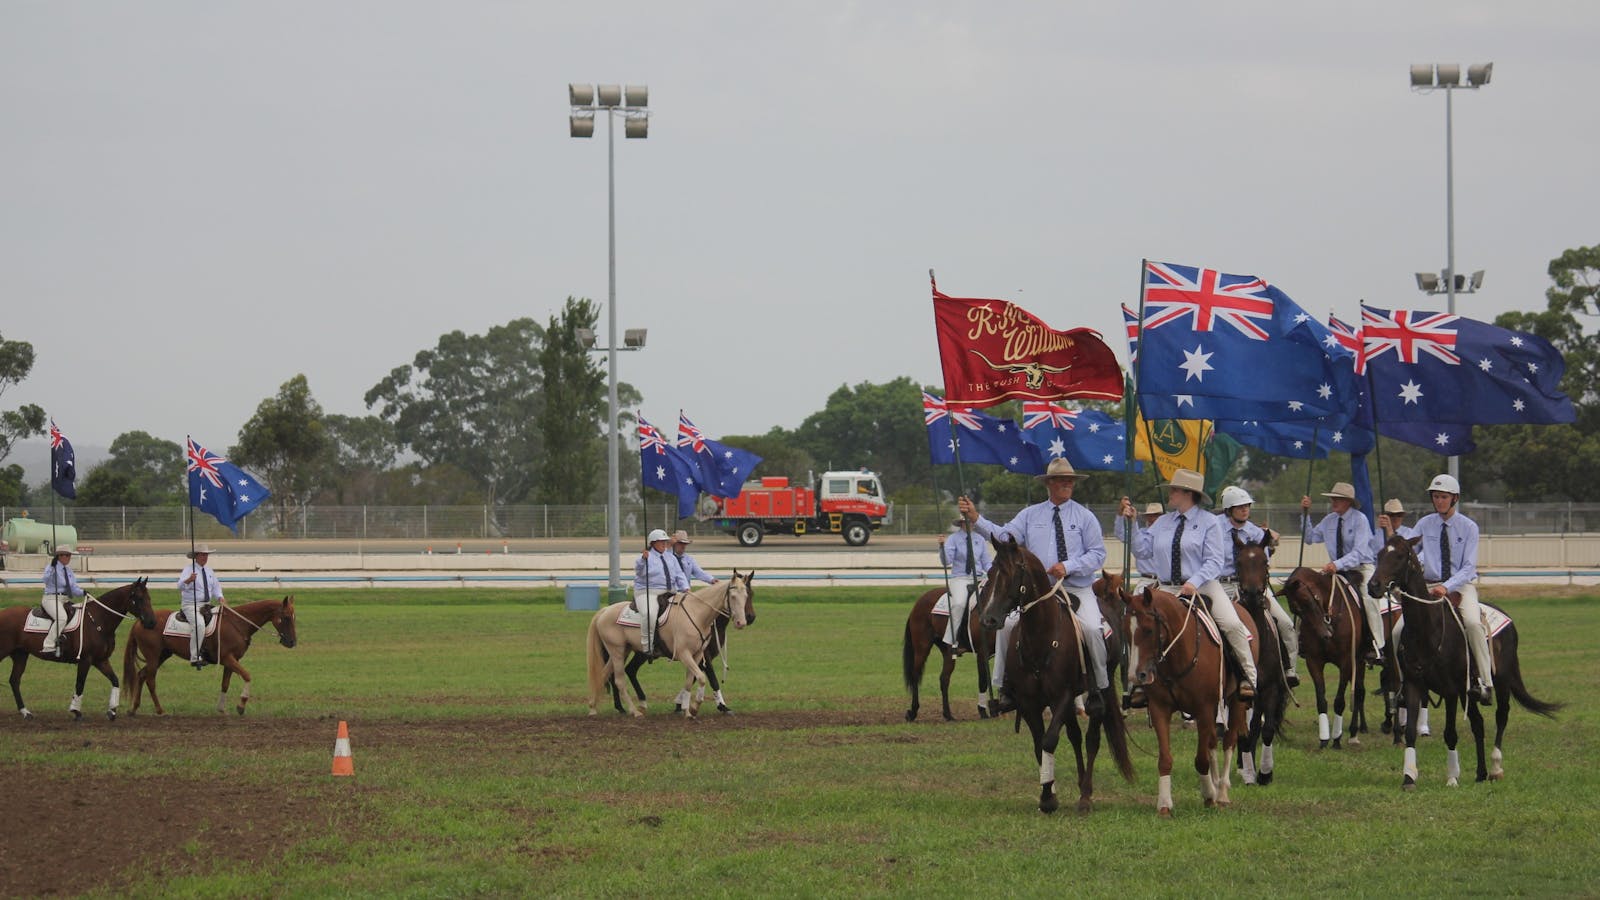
[(1088, 438), (980, 438), (723, 469), (663, 467), (220, 488)]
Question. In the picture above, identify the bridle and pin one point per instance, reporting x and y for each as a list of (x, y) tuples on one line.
[(725, 611), (1161, 627)]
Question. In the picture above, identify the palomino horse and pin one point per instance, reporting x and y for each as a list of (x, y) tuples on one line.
[(714, 652), (1433, 658), (925, 630), (1046, 668), (686, 630), (90, 644), (1272, 694), (1331, 623), (1182, 669), (148, 648)]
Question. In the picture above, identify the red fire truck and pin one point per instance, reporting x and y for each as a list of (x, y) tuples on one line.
[(849, 504)]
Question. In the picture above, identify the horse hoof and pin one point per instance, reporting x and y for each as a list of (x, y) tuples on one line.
[(911, 715), (241, 710), (1224, 804), (1336, 744), (1210, 803), (1424, 732), (723, 708), (1496, 776), (1263, 778), (1085, 807), (1164, 812), (77, 716), (26, 716), (1451, 782), (111, 715), (1323, 745), (593, 714), (1048, 802), (1409, 784), (949, 718), (1384, 727), (983, 713)]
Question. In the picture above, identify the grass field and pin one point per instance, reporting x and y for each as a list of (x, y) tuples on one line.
[(478, 772)]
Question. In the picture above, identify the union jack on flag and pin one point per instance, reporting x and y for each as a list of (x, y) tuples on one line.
[(1350, 339), (935, 409), (221, 488), (63, 464), (1040, 412), (688, 435), (1174, 292), (203, 464), (1408, 334), (650, 437), (1130, 322)]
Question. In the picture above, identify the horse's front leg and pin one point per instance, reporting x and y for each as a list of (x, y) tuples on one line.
[(104, 667), (1046, 761), (1408, 771), (1205, 751), (1319, 684), (19, 663), (635, 663), (1161, 721), (76, 706), (944, 680), (230, 665), (1337, 730), (1475, 718), (1452, 756), (1358, 705), (693, 676), (1060, 714)]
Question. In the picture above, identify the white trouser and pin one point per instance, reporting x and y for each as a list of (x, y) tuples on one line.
[(1472, 619), (644, 603), (1370, 604), (1233, 630), (1088, 615), (197, 627), (961, 594), (52, 604), (1287, 635)]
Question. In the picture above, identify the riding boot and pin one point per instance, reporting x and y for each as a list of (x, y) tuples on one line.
[(1004, 703), (1135, 698)]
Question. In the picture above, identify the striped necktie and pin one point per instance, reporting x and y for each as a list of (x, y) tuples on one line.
[(1338, 541), (1177, 551), (1061, 539), (1444, 551)]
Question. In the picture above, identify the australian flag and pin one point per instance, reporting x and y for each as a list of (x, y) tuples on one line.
[(1436, 367), (980, 438), (1440, 437), (723, 469), (63, 464), (1088, 438), (221, 488), (663, 467), (1233, 347)]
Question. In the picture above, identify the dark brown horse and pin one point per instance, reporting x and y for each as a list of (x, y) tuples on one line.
[(1331, 621), (149, 648), (1433, 659), (714, 647), (925, 630), (1181, 668), (1046, 668), (89, 645), (1252, 569)]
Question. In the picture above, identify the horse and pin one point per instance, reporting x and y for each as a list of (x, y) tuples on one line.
[(1181, 668), (1046, 668), (1266, 714), (148, 647), (89, 644), (925, 630), (1331, 621), (1112, 590), (686, 630), (1433, 659), (636, 661)]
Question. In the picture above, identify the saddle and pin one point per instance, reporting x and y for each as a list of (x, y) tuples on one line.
[(67, 607), (205, 613), (178, 626)]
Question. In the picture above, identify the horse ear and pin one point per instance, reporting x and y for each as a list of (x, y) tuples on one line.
[(1414, 541)]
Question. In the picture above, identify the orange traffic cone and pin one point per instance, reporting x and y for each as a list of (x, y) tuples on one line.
[(342, 763)]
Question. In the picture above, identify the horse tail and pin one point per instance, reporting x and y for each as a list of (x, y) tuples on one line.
[(1117, 737), (594, 651), (130, 661), (908, 657), (1510, 676)]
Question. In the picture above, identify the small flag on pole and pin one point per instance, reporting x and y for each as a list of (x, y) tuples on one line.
[(221, 488), (63, 464)]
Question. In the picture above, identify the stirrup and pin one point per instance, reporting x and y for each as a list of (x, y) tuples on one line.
[(1245, 691), (1135, 699)]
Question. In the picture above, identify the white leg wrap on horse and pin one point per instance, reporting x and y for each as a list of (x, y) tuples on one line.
[(1338, 725), (682, 699), (245, 694), (1422, 722), (1400, 717), (1164, 792), (1247, 768), (983, 700), (222, 700), (116, 698), (1410, 767), (1495, 760), (77, 703), (1452, 767), (1047, 768), (1266, 760), (1222, 714), (1322, 727), (719, 697)]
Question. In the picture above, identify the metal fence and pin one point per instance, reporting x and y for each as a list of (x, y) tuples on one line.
[(540, 521)]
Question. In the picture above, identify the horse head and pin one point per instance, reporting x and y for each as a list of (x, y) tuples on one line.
[(1307, 599), (1016, 579), (139, 602), (1145, 634), (737, 598), (283, 620), (1397, 566), (1252, 569), (1112, 592), (749, 598)]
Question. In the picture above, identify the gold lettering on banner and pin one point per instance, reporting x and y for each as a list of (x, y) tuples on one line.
[(1022, 337)]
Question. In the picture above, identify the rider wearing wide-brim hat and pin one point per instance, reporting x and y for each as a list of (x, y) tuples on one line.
[(1390, 523), (1236, 504), (1348, 537), (198, 589), (1067, 540), (655, 572), (1145, 565), (1448, 545), (60, 586), (690, 567), (1185, 545)]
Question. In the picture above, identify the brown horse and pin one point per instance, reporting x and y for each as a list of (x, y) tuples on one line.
[(1433, 659), (88, 645), (714, 652), (686, 630), (1046, 668), (1252, 569), (1331, 621), (149, 648), (925, 630), (1182, 669)]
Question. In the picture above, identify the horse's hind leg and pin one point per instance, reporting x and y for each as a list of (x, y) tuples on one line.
[(104, 667), (1085, 759), (944, 681), (1502, 712), (1338, 708), (1205, 751), (1452, 765), (1475, 718), (19, 663)]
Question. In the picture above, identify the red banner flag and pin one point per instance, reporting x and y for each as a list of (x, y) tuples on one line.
[(993, 350)]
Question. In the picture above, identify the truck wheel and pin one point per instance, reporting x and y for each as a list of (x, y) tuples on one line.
[(750, 534), (856, 533)]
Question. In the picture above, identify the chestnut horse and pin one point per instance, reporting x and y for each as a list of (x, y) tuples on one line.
[(1433, 659), (148, 648), (89, 645), (1181, 668), (1251, 568), (925, 630), (636, 661), (1046, 668), (1331, 621)]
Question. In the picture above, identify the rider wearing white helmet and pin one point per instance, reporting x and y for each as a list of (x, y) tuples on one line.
[(1449, 551), (1235, 519), (1348, 538), (655, 572)]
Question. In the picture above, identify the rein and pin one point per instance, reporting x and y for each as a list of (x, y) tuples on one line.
[(723, 612), (1343, 589), (1412, 565), (1161, 657)]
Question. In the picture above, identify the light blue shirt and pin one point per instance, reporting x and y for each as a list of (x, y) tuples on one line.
[(58, 579), (691, 569), (1357, 538), (1249, 532), (1379, 539), (662, 571), (1199, 548), (1035, 529), (955, 554), (196, 592), (1145, 564), (1463, 549)]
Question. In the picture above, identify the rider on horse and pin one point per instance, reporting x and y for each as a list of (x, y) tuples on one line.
[(59, 584), (655, 572), (1194, 539), (1350, 554), (1236, 503), (969, 568), (198, 590), (1448, 546), (1067, 540), (1145, 564), (690, 568), (1392, 522)]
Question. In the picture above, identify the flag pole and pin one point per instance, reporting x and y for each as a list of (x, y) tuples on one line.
[(1305, 515), (56, 624)]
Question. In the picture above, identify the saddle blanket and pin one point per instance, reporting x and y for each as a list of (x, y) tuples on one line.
[(178, 628), (632, 618), (37, 624), (1494, 621)]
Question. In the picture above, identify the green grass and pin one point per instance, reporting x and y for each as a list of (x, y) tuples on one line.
[(478, 772)]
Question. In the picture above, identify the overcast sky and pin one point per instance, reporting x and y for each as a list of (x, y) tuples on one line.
[(199, 200)]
